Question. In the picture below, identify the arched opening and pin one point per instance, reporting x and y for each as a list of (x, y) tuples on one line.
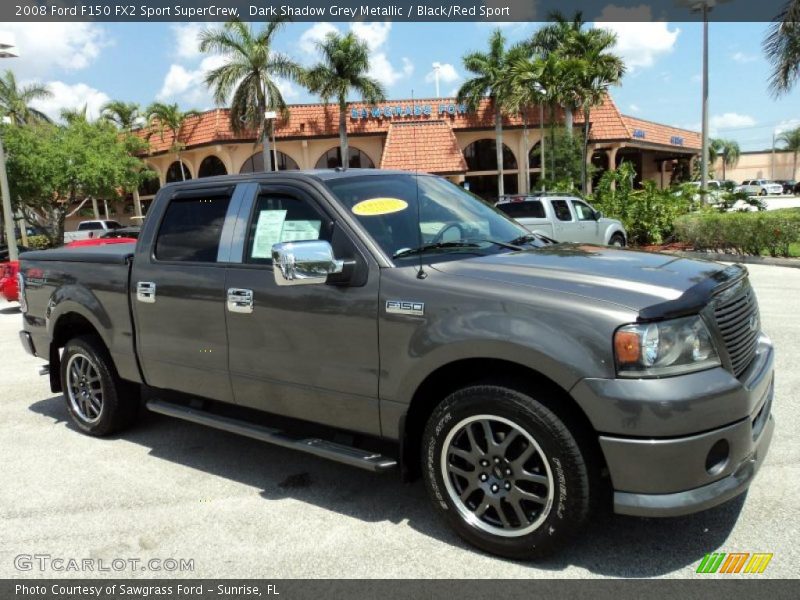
[(174, 172), (150, 186), (211, 166), (332, 159), (481, 176), (255, 164), (535, 156)]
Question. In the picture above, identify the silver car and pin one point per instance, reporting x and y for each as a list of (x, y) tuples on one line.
[(760, 187), (564, 219)]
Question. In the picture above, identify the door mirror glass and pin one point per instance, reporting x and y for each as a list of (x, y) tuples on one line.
[(598, 214), (303, 263)]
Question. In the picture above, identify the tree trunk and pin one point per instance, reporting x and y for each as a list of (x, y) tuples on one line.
[(137, 203), (526, 179), (498, 132), (95, 209), (344, 150), (724, 170), (542, 153), (587, 113), (552, 143), (569, 120), (180, 164)]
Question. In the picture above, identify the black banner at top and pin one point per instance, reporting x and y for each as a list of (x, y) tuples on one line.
[(387, 10)]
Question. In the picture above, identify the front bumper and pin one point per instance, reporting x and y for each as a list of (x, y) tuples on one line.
[(27, 342), (657, 470)]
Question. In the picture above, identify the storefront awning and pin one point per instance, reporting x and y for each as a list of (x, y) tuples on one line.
[(427, 146)]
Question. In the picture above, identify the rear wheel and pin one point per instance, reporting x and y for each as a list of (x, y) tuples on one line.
[(763, 192), (98, 401), (617, 240), (505, 472)]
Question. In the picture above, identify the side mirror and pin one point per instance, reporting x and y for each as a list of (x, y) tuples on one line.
[(598, 214), (304, 263)]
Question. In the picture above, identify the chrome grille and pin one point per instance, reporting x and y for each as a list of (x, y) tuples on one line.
[(736, 313)]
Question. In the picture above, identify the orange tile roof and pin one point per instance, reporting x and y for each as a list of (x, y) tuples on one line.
[(655, 133), (428, 146), (319, 120)]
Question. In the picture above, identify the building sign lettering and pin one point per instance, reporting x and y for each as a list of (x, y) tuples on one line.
[(407, 110), (676, 140)]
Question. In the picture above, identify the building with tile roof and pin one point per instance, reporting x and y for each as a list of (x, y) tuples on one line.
[(435, 135)]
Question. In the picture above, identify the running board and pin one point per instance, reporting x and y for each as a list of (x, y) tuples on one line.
[(348, 455)]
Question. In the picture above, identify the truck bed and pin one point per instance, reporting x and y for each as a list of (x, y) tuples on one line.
[(106, 254)]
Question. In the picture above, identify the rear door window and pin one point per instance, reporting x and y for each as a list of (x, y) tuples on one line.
[(90, 226), (191, 229), (561, 210)]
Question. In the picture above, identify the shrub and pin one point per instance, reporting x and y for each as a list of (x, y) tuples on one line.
[(648, 214), (37, 242), (743, 233)]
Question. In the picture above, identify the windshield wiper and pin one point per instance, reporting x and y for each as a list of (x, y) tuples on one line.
[(468, 243), (529, 237)]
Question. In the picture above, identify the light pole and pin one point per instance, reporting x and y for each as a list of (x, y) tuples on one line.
[(775, 134), (704, 6), (8, 215), (436, 67)]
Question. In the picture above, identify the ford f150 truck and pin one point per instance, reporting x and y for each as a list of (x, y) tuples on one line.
[(389, 320)]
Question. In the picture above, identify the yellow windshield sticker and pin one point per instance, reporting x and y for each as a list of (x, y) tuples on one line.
[(379, 206)]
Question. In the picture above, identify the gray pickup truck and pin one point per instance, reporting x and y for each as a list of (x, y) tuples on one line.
[(394, 321)]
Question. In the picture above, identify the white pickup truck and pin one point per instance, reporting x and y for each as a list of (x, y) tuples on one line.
[(90, 229), (564, 219)]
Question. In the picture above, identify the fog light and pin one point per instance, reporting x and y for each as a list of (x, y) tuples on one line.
[(718, 457)]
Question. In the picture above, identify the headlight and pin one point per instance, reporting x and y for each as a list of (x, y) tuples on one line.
[(665, 348)]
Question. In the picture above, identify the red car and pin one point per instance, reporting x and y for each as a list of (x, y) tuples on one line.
[(100, 242), (9, 288)]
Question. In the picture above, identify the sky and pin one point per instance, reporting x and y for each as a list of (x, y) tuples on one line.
[(90, 63)]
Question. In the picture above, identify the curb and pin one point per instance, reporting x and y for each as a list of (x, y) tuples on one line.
[(792, 263)]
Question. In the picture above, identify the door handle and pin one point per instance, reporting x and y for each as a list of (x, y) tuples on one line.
[(146, 292), (240, 300)]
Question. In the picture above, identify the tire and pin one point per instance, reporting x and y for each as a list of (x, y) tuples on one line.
[(617, 240), (554, 473), (98, 401), (763, 192)]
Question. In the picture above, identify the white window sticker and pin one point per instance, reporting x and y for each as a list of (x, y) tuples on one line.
[(268, 232), (294, 231)]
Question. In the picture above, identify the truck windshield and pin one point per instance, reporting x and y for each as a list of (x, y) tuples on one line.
[(410, 214)]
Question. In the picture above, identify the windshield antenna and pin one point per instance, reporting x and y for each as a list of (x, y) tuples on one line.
[(421, 274)]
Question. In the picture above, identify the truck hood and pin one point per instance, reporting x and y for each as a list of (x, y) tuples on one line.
[(667, 285)]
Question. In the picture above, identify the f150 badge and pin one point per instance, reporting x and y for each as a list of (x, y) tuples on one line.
[(405, 307)]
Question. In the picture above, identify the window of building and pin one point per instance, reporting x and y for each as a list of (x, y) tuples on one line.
[(191, 229), (211, 166), (174, 172), (485, 186), (561, 208), (332, 159), (255, 164), (535, 156), (150, 186), (283, 218), (481, 156)]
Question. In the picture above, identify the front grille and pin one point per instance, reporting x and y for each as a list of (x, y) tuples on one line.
[(736, 313)]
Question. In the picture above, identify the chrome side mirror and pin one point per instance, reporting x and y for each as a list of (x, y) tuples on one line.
[(303, 263)]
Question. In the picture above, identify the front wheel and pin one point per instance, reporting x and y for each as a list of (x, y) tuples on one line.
[(763, 192), (505, 472), (617, 240)]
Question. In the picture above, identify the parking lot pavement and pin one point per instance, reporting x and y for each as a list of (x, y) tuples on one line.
[(776, 202), (240, 508)]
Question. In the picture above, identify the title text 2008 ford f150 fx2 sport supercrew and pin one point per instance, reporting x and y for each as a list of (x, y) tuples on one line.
[(388, 320)]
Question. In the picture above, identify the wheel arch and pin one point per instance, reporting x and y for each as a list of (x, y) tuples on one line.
[(68, 325), (469, 371)]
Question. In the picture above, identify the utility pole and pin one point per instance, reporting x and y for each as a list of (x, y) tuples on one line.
[(704, 158), (436, 68)]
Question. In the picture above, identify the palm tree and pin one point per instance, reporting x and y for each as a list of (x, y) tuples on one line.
[(524, 90), (248, 76), (490, 79), (728, 150), (344, 70), (15, 101), (791, 141), (168, 117), (75, 115), (600, 70), (125, 115), (782, 46), (556, 42)]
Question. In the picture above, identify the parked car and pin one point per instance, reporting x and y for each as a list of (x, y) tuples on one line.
[(122, 232), (760, 187), (91, 229), (563, 218), (9, 288), (797, 189), (788, 185), (100, 241), (527, 382)]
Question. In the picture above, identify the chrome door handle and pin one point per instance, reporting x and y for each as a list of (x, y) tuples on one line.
[(146, 292), (240, 301)]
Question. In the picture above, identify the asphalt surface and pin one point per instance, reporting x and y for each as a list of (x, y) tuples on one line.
[(240, 508)]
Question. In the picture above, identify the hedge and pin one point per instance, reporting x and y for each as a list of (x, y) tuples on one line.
[(743, 233)]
